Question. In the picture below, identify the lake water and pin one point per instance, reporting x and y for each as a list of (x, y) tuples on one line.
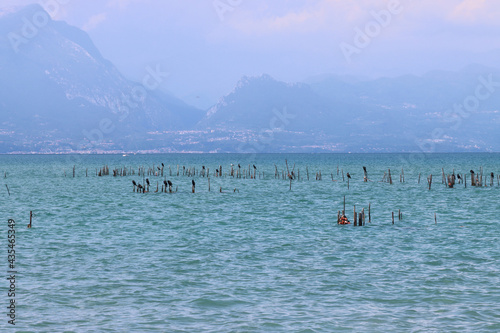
[(102, 258)]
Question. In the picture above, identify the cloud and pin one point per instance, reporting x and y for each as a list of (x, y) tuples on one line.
[(94, 21), (308, 17), (123, 4), (486, 12), (261, 18)]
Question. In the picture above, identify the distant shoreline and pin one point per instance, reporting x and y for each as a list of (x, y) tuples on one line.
[(235, 153)]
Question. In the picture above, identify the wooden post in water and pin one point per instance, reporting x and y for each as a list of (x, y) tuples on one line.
[(369, 213), (435, 219), (419, 178), (355, 217), (392, 217), (390, 177), (31, 219), (360, 219), (429, 180), (473, 179), (194, 185), (208, 183), (7, 189)]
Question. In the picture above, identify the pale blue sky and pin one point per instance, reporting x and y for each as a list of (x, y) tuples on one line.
[(207, 45)]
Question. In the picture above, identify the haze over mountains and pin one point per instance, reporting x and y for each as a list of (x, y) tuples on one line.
[(58, 94)]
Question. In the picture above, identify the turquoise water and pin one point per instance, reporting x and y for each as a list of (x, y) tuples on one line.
[(262, 259)]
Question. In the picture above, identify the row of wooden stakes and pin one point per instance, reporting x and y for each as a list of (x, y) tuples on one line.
[(188, 172), (449, 180)]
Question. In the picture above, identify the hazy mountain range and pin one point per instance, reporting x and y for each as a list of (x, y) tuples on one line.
[(58, 94)]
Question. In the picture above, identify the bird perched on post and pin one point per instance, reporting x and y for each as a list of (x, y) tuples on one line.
[(169, 184), (348, 175), (135, 184), (194, 185)]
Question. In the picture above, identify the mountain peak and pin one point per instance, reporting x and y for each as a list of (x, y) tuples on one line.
[(61, 87)]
